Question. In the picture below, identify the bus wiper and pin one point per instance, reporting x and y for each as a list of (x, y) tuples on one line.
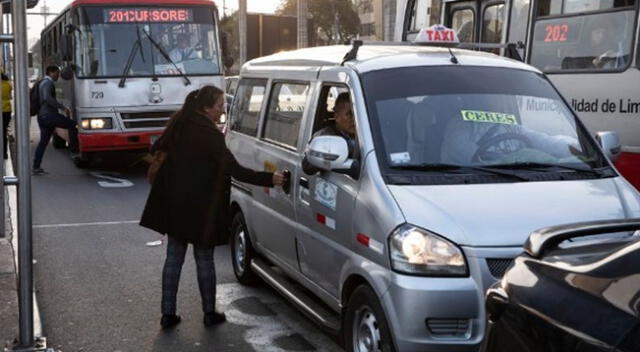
[(166, 56), (136, 45), (459, 169), (536, 165)]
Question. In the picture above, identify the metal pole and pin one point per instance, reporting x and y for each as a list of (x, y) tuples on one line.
[(25, 254), (242, 30), (303, 36)]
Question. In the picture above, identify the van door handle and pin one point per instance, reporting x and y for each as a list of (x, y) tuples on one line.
[(286, 186), (304, 182)]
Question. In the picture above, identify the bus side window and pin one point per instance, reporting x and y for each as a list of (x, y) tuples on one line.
[(518, 21), (463, 22), (493, 23)]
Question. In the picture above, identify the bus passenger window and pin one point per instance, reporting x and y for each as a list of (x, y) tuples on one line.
[(519, 21), (599, 41), (462, 21), (493, 23)]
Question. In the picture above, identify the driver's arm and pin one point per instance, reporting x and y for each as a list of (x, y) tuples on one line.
[(557, 145)]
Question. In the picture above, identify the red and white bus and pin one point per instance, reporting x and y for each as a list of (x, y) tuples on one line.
[(588, 48), (128, 65)]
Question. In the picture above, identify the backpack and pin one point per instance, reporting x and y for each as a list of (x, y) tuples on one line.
[(34, 98)]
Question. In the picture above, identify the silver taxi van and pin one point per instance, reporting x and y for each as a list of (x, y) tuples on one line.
[(395, 236)]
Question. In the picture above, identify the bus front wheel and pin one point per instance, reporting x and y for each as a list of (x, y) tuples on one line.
[(82, 160)]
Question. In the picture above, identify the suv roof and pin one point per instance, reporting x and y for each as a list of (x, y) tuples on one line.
[(372, 57)]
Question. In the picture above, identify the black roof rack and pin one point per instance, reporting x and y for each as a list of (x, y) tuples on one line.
[(510, 52)]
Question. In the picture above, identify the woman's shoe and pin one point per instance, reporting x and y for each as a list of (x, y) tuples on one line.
[(214, 318), (169, 320)]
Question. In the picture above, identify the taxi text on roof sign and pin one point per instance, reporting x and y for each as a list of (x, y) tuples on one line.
[(437, 34)]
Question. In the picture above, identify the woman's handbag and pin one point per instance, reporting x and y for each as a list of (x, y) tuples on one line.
[(156, 163)]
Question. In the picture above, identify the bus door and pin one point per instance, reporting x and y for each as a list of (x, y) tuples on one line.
[(477, 21)]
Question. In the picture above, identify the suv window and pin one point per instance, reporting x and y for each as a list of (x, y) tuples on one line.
[(286, 108), (247, 104)]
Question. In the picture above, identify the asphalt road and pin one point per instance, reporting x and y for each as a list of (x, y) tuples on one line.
[(98, 279)]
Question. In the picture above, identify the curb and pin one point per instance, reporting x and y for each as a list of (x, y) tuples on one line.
[(13, 207)]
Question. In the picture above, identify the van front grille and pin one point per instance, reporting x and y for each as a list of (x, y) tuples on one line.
[(150, 119), (458, 328), (498, 266)]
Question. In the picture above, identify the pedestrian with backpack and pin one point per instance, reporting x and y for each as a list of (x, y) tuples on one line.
[(49, 117)]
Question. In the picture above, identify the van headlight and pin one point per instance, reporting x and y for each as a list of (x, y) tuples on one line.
[(91, 123), (419, 252)]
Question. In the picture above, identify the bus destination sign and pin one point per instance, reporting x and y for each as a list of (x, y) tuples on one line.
[(129, 15)]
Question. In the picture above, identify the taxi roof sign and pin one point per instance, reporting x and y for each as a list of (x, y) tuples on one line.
[(437, 35)]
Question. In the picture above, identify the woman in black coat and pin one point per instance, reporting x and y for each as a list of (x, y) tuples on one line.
[(189, 198)]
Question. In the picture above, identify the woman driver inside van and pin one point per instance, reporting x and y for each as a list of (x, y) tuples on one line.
[(189, 198)]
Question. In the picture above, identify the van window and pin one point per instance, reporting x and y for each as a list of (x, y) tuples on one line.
[(286, 108), (245, 111), (326, 103)]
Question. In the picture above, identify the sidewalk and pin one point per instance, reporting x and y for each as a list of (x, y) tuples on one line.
[(8, 286)]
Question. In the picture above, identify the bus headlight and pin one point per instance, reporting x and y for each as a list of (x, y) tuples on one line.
[(419, 252), (103, 123)]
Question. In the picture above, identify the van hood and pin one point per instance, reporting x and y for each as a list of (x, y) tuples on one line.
[(505, 214)]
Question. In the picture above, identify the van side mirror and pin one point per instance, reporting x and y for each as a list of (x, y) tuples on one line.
[(610, 143), (66, 47), (331, 153)]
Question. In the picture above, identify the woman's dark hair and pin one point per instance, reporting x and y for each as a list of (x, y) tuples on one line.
[(4, 77), (194, 104)]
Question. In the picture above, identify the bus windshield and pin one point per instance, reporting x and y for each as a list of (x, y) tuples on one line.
[(583, 35), (108, 37)]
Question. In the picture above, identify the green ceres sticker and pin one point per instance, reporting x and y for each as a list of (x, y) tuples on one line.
[(488, 116)]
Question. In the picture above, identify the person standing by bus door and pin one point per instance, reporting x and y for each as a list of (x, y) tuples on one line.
[(49, 118), (7, 88)]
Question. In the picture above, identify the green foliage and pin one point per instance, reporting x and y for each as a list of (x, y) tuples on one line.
[(336, 21)]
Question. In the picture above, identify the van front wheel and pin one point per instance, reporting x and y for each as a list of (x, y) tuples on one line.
[(242, 252), (365, 326)]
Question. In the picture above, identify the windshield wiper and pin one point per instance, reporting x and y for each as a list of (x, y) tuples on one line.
[(459, 169), (132, 54), (535, 165), (166, 56)]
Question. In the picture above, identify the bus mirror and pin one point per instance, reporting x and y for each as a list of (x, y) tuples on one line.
[(227, 59), (67, 72), (66, 47)]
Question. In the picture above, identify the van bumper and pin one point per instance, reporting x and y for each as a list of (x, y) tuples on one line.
[(445, 313), (435, 314)]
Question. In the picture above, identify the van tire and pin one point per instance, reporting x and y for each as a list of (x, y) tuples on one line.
[(242, 251), (365, 323), (58, 142)]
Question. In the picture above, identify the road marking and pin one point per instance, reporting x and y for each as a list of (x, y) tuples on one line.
[(79, 224), (264, 330), (113, 180)]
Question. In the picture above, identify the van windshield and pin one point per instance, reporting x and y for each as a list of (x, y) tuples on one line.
[(425, 117)]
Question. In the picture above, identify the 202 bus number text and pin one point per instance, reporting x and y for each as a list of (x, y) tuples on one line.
[(556, 33)]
